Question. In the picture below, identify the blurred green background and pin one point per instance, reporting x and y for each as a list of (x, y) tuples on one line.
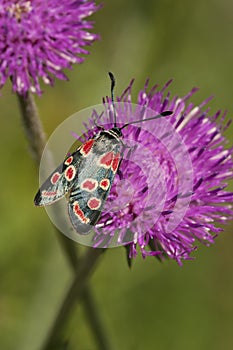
[(154, 305)]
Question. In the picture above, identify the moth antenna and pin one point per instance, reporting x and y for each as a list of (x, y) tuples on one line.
[(113, 83), (163, 114)]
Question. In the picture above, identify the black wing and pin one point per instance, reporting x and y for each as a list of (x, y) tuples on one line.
[(60, 181), (89, 193)]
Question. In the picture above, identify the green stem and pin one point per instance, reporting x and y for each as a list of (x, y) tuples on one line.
[(37, 140), (32, 125), (73, 294)]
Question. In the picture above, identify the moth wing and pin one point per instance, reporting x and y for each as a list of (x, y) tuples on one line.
[(60, 181), (82, 218), (85, 207)]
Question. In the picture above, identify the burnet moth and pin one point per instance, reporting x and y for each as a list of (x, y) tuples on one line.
[(87, 174)]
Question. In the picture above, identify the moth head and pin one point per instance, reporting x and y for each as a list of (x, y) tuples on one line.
[(115, 132)]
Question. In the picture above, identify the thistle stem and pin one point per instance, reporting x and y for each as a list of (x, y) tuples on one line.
[(77, 288), (36, 138), (32, 125)]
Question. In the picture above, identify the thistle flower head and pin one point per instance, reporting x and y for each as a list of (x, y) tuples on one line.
[(38, 39), (170, 189)]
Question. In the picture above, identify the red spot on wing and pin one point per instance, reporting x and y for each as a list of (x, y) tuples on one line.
[(107, 159), (49, 193), (86, 147), (89, 185), (70, 173), (55, 177), (104, 184), (94, 203), (115, 162), (79, 213), (69, 160)]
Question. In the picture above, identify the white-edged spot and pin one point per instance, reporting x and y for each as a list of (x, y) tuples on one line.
[(86, 147), (89, 185), (70, 173), (79, 213), (69, 160), (115, 162), (106, 160), (94, 203), (104, 184), (55, 177)]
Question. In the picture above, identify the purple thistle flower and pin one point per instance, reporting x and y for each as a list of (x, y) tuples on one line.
[(170, 190), (38, 39)]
